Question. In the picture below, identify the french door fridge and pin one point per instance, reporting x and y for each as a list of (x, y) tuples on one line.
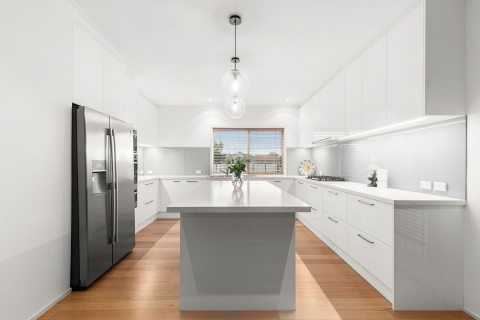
[(103, 209)]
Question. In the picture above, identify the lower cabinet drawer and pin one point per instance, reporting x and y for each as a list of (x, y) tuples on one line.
[(336, 230), (150, 207), (372, 254), (314, 218)]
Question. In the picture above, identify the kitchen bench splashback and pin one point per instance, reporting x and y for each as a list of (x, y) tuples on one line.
[(435, 153)]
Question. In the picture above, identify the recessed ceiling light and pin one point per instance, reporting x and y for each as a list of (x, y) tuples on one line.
[(286, 99), (209, 99)]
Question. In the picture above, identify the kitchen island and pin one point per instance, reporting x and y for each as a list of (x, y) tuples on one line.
[(237, 247)]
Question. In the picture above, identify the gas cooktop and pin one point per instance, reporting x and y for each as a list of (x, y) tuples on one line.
[(326, 178)]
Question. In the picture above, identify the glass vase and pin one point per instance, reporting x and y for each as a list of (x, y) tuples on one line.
[(237, 180)]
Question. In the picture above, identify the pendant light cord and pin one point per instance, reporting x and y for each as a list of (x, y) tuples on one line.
[(235, 43)]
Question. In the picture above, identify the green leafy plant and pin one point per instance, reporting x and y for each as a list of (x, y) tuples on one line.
[(238, 165)]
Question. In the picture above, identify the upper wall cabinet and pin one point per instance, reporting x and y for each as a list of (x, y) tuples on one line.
[(131, 101), (445, 57), (114, 87), (353, 97), (374, 93), (87, 70), (415, 69), (337, 106), (306, 133), (147, 122), (405, 68)]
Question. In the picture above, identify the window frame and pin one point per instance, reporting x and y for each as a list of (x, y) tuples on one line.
[(248, 152)]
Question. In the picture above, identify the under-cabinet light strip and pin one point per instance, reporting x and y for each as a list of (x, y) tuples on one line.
[(382, 128)]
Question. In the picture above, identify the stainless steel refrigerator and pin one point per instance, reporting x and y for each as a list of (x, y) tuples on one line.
[(103, 209)]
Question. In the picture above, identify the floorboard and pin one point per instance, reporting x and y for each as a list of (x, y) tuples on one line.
[(146, 285)]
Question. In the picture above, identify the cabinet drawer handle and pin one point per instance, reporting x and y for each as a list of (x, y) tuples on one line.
[(192, 181), (370, 204), (299, 182), (148, 202), (313, 187), (333, 192), (365, 238), (277, 181), (333, 220), (176, 181), (147, 184)]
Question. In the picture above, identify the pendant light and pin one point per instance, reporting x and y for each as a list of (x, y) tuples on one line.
[(235, 83)]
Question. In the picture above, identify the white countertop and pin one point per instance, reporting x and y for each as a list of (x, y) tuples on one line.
[(254, 196), (391, 196)]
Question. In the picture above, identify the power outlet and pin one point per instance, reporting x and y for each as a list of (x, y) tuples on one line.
[(149, 172), (426, 185), (440, 186), (198, 171)]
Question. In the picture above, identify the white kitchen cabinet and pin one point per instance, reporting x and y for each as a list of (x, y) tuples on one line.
[(306, 119), (313, 195), (314, 218), (322, 119), (372, 254), (285, 185), (131, 92), (301, 190), (114, 87), (335, 202), (170, 191), (87, 70), (189, 186), (337, 105), (371, 216), (147, 122), (405, 68), (353, 97), (336, 230), (147, 201), (374, 92)]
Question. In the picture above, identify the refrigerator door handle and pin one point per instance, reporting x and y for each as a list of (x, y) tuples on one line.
[(113, 182), (109, 186), (115, 185)]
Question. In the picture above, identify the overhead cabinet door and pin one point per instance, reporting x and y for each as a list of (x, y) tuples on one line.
[(405, 68), (114, 87), (375, 86)]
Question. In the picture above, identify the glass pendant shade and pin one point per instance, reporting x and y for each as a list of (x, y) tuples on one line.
[(235, 108), (235, 84)]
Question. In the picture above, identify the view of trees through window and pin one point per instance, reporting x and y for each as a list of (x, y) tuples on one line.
[(264, 148)]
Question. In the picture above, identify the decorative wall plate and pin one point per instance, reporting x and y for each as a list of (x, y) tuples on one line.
[(306, 168)]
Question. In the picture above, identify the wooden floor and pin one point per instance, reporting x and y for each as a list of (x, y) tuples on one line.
[(145, 285)]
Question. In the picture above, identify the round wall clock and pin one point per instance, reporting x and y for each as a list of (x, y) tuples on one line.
[(306, 168)]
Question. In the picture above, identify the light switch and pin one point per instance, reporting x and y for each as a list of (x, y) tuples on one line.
[(141, 172), (149, 172), (426, 185), (198, 172), (440, 186)]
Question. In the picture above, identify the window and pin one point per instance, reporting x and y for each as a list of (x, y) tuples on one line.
[(264, 147)]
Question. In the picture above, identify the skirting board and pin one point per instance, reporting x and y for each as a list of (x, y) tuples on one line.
[(146, 222), (471, 314), (377, 284), (54, 302)]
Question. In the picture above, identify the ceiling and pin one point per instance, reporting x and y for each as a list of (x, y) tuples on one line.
[(180, 49)]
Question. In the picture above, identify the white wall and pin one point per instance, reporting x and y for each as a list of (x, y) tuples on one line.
[(472, 212), (35, 131), (191, 126)]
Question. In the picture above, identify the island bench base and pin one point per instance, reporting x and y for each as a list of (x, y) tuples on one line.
[(237, 261)]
